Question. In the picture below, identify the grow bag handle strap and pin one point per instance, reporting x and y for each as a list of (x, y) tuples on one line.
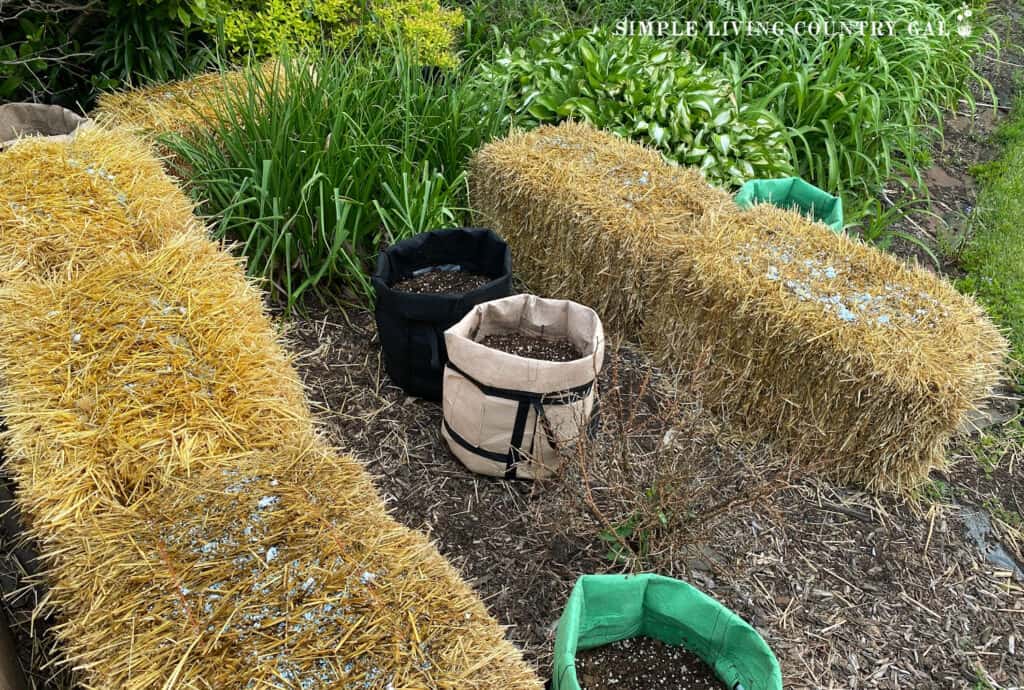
[(562, 397), (508, 459), (526, 400)]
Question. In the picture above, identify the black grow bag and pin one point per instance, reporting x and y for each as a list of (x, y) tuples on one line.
[(412, 326)]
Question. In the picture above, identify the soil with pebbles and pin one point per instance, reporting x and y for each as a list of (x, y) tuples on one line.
[(533, 347), (442, 283), (642, 663)]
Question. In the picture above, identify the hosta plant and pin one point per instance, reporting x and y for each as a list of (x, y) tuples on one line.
[(647, 91)]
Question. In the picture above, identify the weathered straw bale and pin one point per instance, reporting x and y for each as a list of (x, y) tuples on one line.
[(125, 370), (197, 532), (66, 204), (854, 361), (578, 208), (179, 106), (281, 573)]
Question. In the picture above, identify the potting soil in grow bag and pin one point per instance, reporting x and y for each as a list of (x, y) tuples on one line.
[(412, 324), (604, 609), (508, 415)]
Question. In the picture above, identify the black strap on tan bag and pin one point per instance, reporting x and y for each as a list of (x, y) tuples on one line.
[(526, 401)]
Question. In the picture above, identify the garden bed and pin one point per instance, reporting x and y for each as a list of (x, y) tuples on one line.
[(840, 583)]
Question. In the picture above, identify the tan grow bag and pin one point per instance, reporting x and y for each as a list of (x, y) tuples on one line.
[(509, 416), (19, 120)]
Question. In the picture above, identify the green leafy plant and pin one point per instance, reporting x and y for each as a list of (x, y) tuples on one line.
[(356, 152), (646, 91), (263, 27), (999, 511), (860, 110), (876, 224), (39, 58), (145, 42), (631, 539), (65, 52), (935, 491)]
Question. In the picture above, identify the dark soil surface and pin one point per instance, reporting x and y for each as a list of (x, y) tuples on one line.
[(643, 664), (531, 347), (442, 283)]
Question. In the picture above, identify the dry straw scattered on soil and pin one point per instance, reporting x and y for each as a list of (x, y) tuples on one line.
[(837, 350), (196, 531), (68, 204)]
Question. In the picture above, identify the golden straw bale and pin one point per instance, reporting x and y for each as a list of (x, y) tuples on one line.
[(196, 532), (67, 204), (280, 572), (854, 361), (180, 106), (600, 200), (123, 372)]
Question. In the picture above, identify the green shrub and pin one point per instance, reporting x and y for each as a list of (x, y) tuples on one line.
[(263, 27), (993, 258), (145, 42), (644, 90), (64, 53), (358, 150), (37, 58)]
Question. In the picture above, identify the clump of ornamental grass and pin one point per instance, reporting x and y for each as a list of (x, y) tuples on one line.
[(313, 167)]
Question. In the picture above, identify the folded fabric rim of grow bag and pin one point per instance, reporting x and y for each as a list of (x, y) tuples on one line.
[(789, 192), (18, 120), (603, 609)]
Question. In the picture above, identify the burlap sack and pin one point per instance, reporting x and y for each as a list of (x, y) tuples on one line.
[(19, 120), (510, 416)]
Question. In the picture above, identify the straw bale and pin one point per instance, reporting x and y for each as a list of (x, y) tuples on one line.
[(854, 361), (600, 201), (280, 573), (196, 531), (66, 204), (123, 371), (180, 106)]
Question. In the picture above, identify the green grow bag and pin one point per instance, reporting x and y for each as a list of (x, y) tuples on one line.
[(787, 192), (607, 608)]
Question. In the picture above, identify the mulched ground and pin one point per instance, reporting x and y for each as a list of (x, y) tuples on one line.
[(442, 282), (850, 590), (643, 664), (548, 349)]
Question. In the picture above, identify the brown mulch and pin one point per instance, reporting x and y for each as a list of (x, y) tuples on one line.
[(548, 349), (442, 283), (850, 590), (642, 664)]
